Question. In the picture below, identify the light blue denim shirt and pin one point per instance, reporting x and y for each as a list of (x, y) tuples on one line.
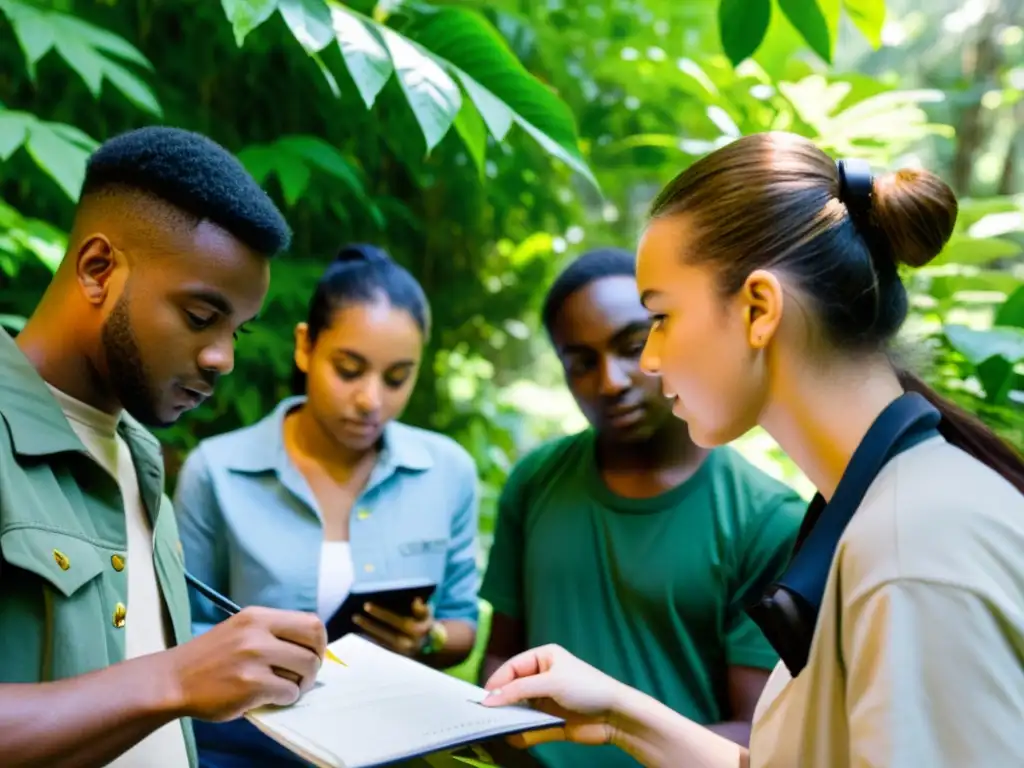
[(250, 527)]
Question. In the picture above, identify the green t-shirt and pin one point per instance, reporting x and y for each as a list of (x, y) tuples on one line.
[(651, 591)]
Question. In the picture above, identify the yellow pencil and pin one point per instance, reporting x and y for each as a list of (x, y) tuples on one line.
[(231, 608)]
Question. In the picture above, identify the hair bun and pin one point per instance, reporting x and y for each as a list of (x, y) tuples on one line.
[(915, 211), (356, 252)]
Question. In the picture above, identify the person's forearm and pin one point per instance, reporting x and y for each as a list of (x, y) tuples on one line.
[(734, 730), (461, 638), (84, 721), (659, 737)]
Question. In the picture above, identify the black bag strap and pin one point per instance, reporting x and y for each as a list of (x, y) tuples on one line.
[(787, 612)]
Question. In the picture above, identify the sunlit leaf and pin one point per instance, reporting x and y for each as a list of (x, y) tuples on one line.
[(978, 346), (246, 15), (434, 97), (471, 128), (500, 87), (1012, 312), (869, 16), (309, 21), (993, 353), (807, 17), (365, 56), (742, 26), (968, 250)]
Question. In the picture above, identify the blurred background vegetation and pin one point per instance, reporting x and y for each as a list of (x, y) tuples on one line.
[(484, 144)]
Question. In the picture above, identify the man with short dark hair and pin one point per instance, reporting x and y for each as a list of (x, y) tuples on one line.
[(628, 544), (166, 260)]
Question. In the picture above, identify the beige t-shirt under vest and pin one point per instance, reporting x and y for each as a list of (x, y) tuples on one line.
[(146, 627), (918, 656)]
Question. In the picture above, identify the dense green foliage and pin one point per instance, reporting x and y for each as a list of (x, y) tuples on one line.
[(483, 143)]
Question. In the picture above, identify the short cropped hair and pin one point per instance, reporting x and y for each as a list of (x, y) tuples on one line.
[(592, 265), (193, 174)]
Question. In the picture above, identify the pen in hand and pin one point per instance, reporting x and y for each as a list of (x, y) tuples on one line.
[(230, 607)]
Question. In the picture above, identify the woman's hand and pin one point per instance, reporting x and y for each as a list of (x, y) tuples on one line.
[(560, 684), (402, 634)]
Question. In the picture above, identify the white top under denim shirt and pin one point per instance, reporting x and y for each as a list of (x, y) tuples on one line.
[(250, 527)]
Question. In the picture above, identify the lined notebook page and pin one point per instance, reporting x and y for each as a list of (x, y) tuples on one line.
[(383, 707)]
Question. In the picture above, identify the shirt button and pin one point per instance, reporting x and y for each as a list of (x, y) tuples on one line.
[(61, 559), (118, 562), (363, 513), (368, 567), (120, 614)]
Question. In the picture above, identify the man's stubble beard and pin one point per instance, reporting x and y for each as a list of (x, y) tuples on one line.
[(129, 379)]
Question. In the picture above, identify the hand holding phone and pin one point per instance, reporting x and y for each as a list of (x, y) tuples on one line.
[(404, 634), (394, 614)]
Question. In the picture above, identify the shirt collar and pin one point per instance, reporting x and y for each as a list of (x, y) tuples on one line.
[(37, 424), (261, 447), (36, 421)]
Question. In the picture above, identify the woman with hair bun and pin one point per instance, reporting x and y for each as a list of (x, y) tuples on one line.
[(771, 272), (330, 490)]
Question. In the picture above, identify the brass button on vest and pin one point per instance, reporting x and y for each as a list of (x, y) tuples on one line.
[(61, 559), (118, 562), (120, 613)]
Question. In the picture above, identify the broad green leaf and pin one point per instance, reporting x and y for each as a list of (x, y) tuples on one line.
[(978, 346), (498, 84), (434, 97), (993, 353), (991, 281), (325, 157), (63, 160), (742, 26), (969, 251), (89, 50), (136, 91), (869, 16), (292, 159), (1012, 311), (365, 56), (496, 114), (294, 177), (98, 38), (246, 15), (810, 22), (61, 151), (84, 60), (471, 128), (13, 130), (33, 30), (309, 21), (259, 161), (23, 235)]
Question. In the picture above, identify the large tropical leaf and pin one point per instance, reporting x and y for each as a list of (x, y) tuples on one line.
[(293, 158), (500, 87), (445, 53), (94, 53), (58, 149)]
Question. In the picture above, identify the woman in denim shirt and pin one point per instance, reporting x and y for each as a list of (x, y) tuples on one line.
[(330, 490)]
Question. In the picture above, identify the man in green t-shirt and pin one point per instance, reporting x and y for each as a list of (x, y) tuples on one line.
[(627, 544)]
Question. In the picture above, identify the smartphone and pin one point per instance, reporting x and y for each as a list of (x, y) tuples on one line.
[(396, 596)]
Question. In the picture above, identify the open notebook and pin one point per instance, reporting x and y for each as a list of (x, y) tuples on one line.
[(384, 708)]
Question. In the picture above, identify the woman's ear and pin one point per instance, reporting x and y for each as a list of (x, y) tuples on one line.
[(763, 300), (303, 347)]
